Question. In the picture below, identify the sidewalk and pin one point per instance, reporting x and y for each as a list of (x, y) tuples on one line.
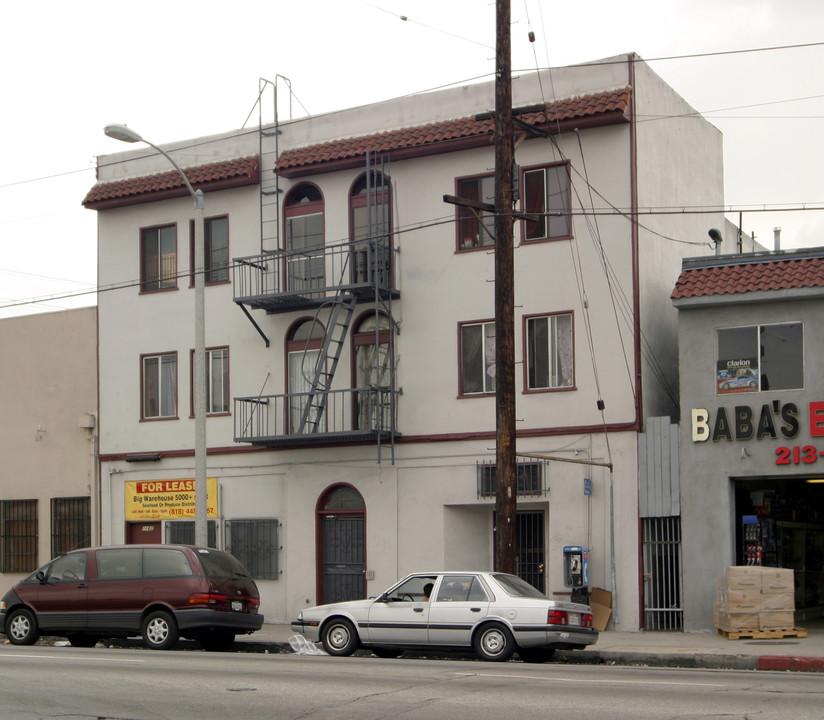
[(662, 649)]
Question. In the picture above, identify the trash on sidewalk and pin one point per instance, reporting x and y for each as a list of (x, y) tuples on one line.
[(601, 603), (301, 646)]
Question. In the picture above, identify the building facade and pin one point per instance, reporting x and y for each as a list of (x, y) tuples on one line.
[(350, 332), (48, 479), (752, 422)]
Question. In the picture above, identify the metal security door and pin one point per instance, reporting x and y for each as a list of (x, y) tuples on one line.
[(343, 559), (662, 573), (530, 532)]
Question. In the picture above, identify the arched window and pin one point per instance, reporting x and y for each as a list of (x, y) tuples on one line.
[(303, 213), (370, 228), (303, 343), (372, 372)]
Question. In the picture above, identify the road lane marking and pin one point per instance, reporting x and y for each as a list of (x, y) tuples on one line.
[(591, 680)]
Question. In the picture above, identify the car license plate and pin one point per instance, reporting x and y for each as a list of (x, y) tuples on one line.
[(574, 619), (237, 605)]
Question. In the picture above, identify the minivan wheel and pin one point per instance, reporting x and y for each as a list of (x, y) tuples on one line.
[(21, 627), (159, 630)]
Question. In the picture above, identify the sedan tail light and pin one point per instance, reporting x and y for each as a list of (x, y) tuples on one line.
[(561, 617)]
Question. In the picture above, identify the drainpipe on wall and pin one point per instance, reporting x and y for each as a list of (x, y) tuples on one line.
[(776, 238)]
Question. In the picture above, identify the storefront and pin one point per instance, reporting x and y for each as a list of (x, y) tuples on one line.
[(751, 436)]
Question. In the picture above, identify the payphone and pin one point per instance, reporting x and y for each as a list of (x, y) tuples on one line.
[(576, 566)]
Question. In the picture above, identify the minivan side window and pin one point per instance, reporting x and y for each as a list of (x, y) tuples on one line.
[(120, 563), (165, 563), (68, 568)]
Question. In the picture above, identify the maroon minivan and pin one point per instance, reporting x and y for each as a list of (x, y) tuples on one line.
[(160, 592)]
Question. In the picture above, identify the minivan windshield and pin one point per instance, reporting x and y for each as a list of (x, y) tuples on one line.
[(219, 564)]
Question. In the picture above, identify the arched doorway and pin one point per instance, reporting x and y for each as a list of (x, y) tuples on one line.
[(341, 516)]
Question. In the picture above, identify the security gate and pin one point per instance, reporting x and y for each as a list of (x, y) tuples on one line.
[(529, 528), (662, 573), (343, 559)]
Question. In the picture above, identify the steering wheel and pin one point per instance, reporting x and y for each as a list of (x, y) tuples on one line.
[(407, 595)]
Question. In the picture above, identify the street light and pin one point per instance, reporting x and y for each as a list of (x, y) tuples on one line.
[(125, 134)]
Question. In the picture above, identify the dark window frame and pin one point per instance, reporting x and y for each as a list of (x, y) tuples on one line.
[(166, 279), (529, 228), (487, 391), (528, 352), (470, 234), (210, 269), (155, 418), (19, 542), (259, 553)]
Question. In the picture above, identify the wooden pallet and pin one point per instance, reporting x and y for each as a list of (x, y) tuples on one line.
[(763, 634)]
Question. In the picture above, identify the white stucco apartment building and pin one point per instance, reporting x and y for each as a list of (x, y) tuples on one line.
[(335, 468)]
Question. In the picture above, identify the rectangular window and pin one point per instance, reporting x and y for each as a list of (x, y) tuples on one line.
[(182, 532), (159, 376), (70, 524), (477, 357), (549, 352), (255, 544), (158, 258), (528, 477), (18, 536), (546, 193), (476, 228), (306, 258), (760, 357), (215, 250), (217, 380)]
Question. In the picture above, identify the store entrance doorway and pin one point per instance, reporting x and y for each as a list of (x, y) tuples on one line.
[(779, 522)]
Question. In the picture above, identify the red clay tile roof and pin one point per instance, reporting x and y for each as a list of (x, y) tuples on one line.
[(602, 108), (148, 188), (751, 274)]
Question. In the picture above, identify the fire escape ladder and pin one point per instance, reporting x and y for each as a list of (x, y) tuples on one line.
[(340, 317)]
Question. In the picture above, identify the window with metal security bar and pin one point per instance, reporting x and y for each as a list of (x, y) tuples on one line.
[(70, 524), (255, 544), (182, 532), (18, 536), (529, 479)]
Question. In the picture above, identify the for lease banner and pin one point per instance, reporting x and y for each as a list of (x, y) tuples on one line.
[(167, 499)]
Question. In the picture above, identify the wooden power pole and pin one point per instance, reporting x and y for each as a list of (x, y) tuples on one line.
[(505, 501)]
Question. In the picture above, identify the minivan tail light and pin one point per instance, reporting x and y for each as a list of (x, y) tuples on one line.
[(206, 599), (254, 602)]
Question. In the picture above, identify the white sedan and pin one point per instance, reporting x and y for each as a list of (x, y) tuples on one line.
[(494, 614)]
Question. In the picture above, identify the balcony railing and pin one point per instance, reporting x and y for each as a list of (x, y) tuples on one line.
[(349, 415), (287, 279)]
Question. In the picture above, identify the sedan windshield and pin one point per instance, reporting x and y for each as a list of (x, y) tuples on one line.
[(516, 587)]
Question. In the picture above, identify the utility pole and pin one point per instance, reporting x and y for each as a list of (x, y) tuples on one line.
[(505, 500)]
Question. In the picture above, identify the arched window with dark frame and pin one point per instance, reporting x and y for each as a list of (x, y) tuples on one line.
[(303, 212), (370, 228), (303, 345), (372, 372)]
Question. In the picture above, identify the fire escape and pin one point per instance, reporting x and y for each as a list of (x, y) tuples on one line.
[(330, 281)]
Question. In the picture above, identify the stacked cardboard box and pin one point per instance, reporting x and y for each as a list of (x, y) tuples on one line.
[(755, 599)]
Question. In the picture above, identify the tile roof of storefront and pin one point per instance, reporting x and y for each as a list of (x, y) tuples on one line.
[(730, 275), (209, 177), (601, 108)]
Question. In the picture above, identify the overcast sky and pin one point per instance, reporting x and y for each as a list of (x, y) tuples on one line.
[(174, 70)]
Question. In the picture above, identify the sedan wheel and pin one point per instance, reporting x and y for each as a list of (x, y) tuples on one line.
[(494, 642), (339, 637), (21, 627), (159, 630)]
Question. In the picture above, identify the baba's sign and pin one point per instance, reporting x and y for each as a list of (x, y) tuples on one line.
[(774, 421)]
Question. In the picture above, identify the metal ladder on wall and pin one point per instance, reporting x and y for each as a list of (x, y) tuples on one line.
[(340, 317)]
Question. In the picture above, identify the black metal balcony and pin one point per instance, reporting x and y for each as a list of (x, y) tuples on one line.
[(350, 415), (287, 280)]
